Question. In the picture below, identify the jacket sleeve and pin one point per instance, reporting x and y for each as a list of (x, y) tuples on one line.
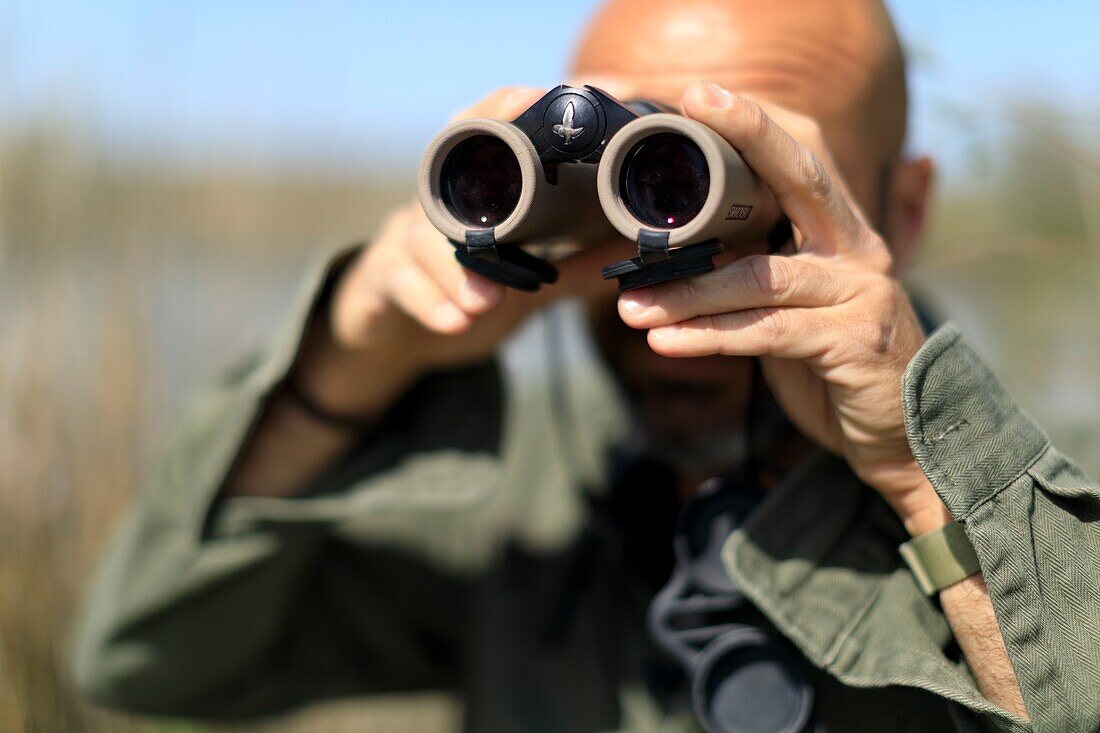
[(222, 608), (1033, 517)]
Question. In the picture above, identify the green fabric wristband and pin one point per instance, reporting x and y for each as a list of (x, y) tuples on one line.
[(941, 558)]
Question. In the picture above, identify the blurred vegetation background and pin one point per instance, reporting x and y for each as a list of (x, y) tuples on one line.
[(126, 281)]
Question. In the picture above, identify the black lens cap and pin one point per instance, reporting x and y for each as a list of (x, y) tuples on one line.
[(746, 681)]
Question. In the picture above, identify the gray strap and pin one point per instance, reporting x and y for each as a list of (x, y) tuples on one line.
[(941, 558)]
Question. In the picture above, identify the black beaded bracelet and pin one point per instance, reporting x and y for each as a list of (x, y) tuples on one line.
[(309, 406)]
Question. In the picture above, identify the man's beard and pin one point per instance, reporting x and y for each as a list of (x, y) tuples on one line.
[(708, 425), (714, 452)]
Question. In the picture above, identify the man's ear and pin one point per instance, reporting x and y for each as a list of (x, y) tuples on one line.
[(910, 190)]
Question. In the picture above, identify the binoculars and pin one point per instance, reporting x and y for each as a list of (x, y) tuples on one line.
[(579, 166)]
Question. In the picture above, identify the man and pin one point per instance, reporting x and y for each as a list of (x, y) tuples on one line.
[(378, 504)]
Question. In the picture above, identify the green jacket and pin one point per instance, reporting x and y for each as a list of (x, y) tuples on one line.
[(459, 550)]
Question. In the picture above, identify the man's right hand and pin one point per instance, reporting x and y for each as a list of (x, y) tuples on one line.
[(406, 306)]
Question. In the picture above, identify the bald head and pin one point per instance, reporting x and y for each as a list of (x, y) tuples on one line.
[(838, 61)]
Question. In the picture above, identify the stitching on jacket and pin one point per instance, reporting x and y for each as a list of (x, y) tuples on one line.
[(958, 425), (918, 412), (930, 441)]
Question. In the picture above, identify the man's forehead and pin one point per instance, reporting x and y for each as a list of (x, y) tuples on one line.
[(647, 36), (706, 36), (838, 61)]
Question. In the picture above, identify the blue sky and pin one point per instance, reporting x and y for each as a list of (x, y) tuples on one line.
[(367, 82)]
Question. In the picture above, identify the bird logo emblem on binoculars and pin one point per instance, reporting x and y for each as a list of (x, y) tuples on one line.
[(666, 182), (565, 130)]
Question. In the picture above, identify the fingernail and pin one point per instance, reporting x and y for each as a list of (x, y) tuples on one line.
[(715, 95), (637, 302), (664, 333), (448, 315)]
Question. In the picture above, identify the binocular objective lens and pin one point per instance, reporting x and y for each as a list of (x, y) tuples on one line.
[(665, 180), (481, 181)]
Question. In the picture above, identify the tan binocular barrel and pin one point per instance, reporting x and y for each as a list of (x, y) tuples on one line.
[(568, 209), (739, 207)]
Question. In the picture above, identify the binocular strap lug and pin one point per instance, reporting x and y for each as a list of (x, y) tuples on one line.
[(652, 246), (508, 265), (656, 263)]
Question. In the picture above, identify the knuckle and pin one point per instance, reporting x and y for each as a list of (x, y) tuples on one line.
[(774, 322), (873, 334), (393, 262), (403, 276), (872, 238), (883, 290), (815, 178), (876, 325), (756, 120), (770, 276), (878, 254)]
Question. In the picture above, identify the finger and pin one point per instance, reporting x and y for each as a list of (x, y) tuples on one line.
[(757, 281), (622, 89), (503, 104), (788, 333), (471, 292), (800, 180), (419, 296)]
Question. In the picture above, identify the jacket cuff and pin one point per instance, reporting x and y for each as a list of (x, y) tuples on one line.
[(964, 429), (206, 446)]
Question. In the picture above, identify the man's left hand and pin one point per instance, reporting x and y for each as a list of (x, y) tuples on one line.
[(831, 324)]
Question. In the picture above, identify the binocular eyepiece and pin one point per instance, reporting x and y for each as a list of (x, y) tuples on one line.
[(579, 165)]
